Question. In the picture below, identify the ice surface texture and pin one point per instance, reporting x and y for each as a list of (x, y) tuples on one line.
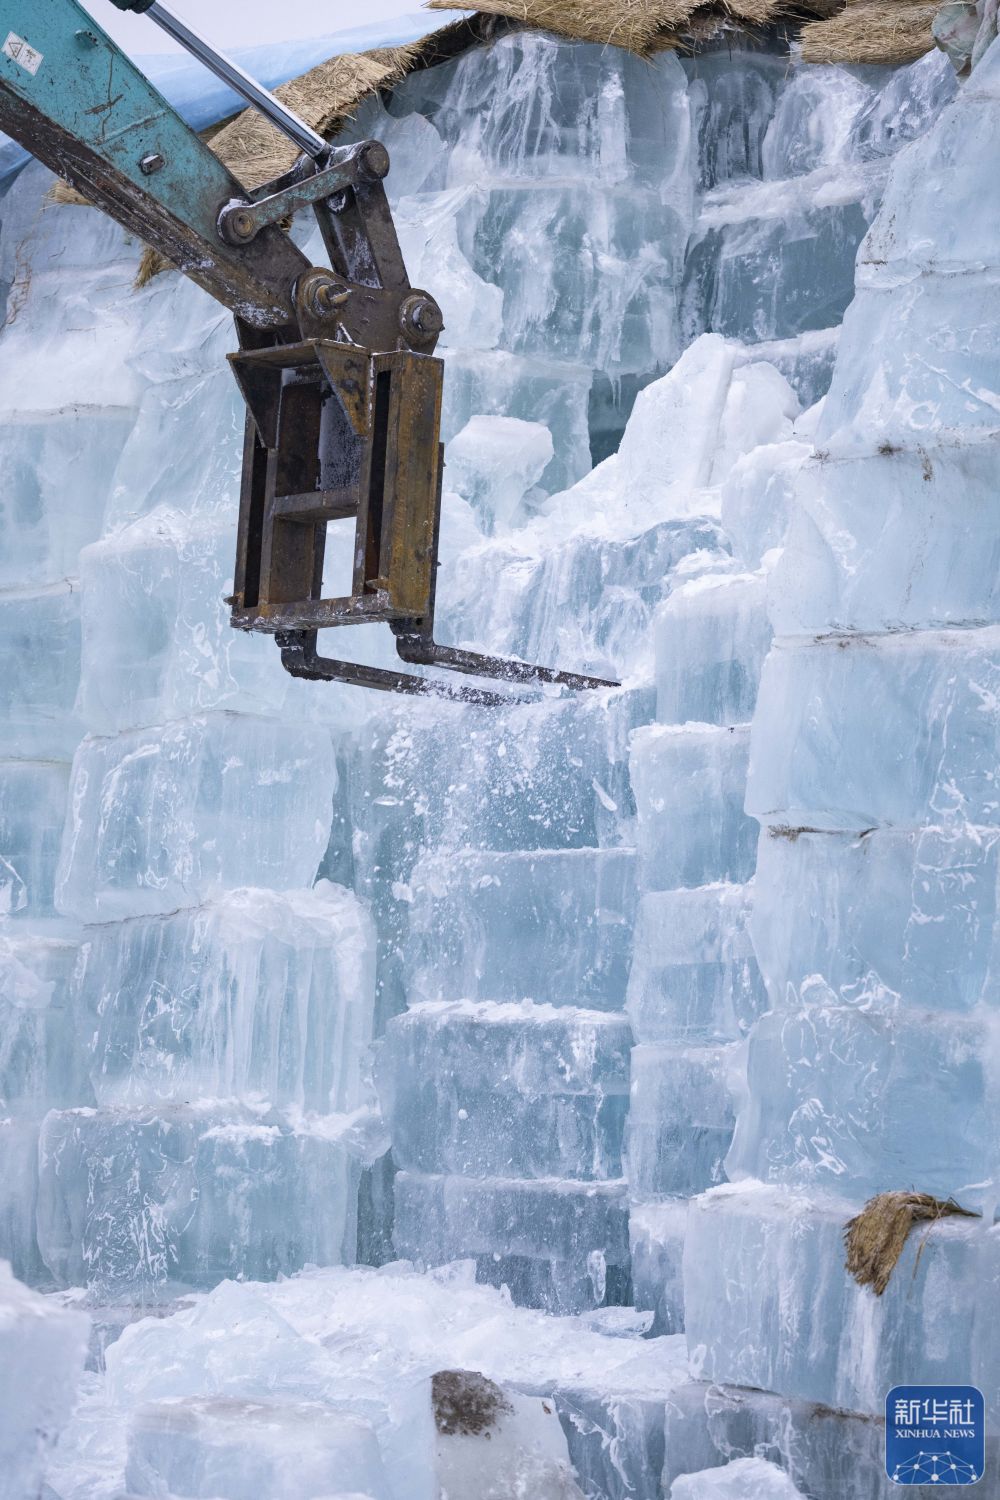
[(817, 762), (163, 818), (690, 785), (237, 1450), (157, 643), (33, 799), (41, 1062), (557, 1244), (824, 1452), (257, 994), (489, 926), (656, 1243), (506, 1090), (681, 1119), (131, 1199), (42, 1349), (712, 635), (880, 916), (40, 672), (43, 537), (694, 974), (858, 1100)]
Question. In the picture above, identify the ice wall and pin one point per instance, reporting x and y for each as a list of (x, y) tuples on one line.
[(872, 765), (519, 1166), (185, 1010), (584, 214), (203, 772), (219, 884)]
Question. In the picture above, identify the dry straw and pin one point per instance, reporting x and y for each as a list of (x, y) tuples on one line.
[(636, 25), (872, 31), (255, 152), (875, 1237), (641, 26)]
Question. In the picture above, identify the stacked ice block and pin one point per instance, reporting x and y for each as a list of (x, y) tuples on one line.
[(694, 988), (222, 1006), (583, 215), (223, 1023), (873, 761), (505, 906), (505, 1089), (790, 164), (184, 1015), (60, 440), (562, 192), (205, 775)]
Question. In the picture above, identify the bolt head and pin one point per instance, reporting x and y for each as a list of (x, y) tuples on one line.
[(151, 162), (327, 299), (324, 296), (421, 315), (373, 159)]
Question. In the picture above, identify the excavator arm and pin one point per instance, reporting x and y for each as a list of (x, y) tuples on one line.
[(335, 363), (74, 100)]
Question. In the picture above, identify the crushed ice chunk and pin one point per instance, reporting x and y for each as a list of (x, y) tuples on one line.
[(741, 1479), (222, 1448), (494, 462), (42, 1349)]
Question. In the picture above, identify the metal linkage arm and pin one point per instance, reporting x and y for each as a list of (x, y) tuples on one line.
[(231, 73)]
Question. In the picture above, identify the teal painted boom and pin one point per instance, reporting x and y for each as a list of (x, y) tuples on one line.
[(73, 99)]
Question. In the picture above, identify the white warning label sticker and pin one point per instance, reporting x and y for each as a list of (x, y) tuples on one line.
[(22, 52)]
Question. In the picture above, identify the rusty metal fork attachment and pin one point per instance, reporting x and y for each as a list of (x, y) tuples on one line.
[(344, 424)]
